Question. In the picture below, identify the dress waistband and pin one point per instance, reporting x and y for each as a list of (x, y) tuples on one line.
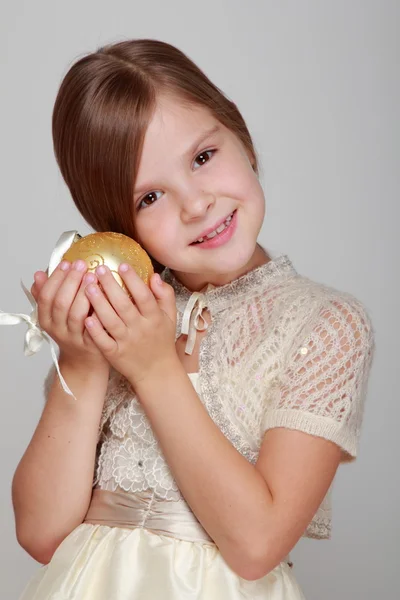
[(144, 509)]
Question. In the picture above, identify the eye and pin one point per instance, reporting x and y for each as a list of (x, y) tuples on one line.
[(149, 196), (203, 157)]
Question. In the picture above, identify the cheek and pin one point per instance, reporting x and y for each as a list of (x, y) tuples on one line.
[(258, 190), (237, 175), (250, 189), (157, 234)]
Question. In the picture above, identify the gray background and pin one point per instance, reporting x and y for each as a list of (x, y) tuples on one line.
[(318, 84)]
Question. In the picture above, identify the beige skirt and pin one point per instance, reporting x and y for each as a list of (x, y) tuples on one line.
[(136, 547)]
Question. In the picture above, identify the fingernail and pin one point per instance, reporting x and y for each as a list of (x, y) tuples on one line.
[(89, 278), (79, 265), (64, 266), (124, 267), (158, 279), (101, 270)]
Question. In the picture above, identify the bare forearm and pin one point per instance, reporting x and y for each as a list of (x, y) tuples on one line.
[(52, 484), (227, 494)]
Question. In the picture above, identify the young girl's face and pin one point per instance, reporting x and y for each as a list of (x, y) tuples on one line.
[(188, 182)]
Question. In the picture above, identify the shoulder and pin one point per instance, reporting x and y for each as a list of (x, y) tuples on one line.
[(310, 303), (333, 342)]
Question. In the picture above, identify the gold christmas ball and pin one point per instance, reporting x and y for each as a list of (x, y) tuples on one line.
[(111, 249)]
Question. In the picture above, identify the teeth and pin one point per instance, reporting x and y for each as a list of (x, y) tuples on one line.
[(218, 230)]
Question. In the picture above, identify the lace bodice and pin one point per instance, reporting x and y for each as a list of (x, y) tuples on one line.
[(130, 457)]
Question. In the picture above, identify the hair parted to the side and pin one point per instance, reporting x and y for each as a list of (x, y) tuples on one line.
[(102, 110)]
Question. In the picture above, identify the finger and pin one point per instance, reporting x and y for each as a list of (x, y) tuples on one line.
[(48, 291), (86, 335), (106, 344), (40, 278), (81, 306), (105, 312), (141, 293), (165, 296), (66, 293), (119, 299)]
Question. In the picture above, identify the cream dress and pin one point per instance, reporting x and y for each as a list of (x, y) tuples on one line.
[(150, 550)]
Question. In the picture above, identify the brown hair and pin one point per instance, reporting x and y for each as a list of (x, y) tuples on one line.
[(101, 113)]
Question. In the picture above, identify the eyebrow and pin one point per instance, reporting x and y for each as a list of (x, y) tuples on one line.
[(203, 137), (190, 151)]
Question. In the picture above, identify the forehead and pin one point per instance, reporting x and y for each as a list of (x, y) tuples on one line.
[(175, 119), (174, 127)]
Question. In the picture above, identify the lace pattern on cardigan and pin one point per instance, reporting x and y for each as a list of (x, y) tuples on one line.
[(281, 351)]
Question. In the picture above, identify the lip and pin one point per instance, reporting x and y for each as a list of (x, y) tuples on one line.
[(207, 231), (221, 238)]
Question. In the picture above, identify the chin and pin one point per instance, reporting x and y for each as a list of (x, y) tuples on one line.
[(235, 259)]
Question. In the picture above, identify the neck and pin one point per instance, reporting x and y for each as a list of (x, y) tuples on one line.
[(195, 282)]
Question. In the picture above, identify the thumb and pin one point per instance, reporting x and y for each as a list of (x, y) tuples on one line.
[(165, 296)]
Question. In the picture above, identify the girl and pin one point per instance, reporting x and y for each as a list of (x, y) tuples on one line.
[(215, 409)]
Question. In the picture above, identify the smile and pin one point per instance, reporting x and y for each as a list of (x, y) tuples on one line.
[(220, 236)]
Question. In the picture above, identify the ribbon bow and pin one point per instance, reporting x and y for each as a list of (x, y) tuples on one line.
[(35, 335), (190, 320)]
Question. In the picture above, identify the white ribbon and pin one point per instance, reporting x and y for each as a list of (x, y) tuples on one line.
[(35, 335), (63, 244), (190, 320)]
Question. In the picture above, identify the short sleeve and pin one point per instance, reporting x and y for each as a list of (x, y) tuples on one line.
[(323, 385)]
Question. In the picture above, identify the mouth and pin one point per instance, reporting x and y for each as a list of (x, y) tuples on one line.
[(216, 232), (219, 236)]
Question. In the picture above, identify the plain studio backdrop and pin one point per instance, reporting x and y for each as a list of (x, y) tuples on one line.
[(318, 84)]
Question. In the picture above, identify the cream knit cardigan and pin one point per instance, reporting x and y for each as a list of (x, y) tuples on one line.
[(281, 351)]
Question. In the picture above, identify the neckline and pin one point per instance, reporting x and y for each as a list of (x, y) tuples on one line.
[(220, 297)]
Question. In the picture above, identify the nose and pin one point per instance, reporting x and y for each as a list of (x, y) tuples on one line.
[(196, 204)]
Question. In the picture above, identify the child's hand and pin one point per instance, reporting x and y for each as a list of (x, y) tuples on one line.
[(62, 309), (138, 337)]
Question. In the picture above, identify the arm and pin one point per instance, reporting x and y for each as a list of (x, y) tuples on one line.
[(255, 514), (52, 485)]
